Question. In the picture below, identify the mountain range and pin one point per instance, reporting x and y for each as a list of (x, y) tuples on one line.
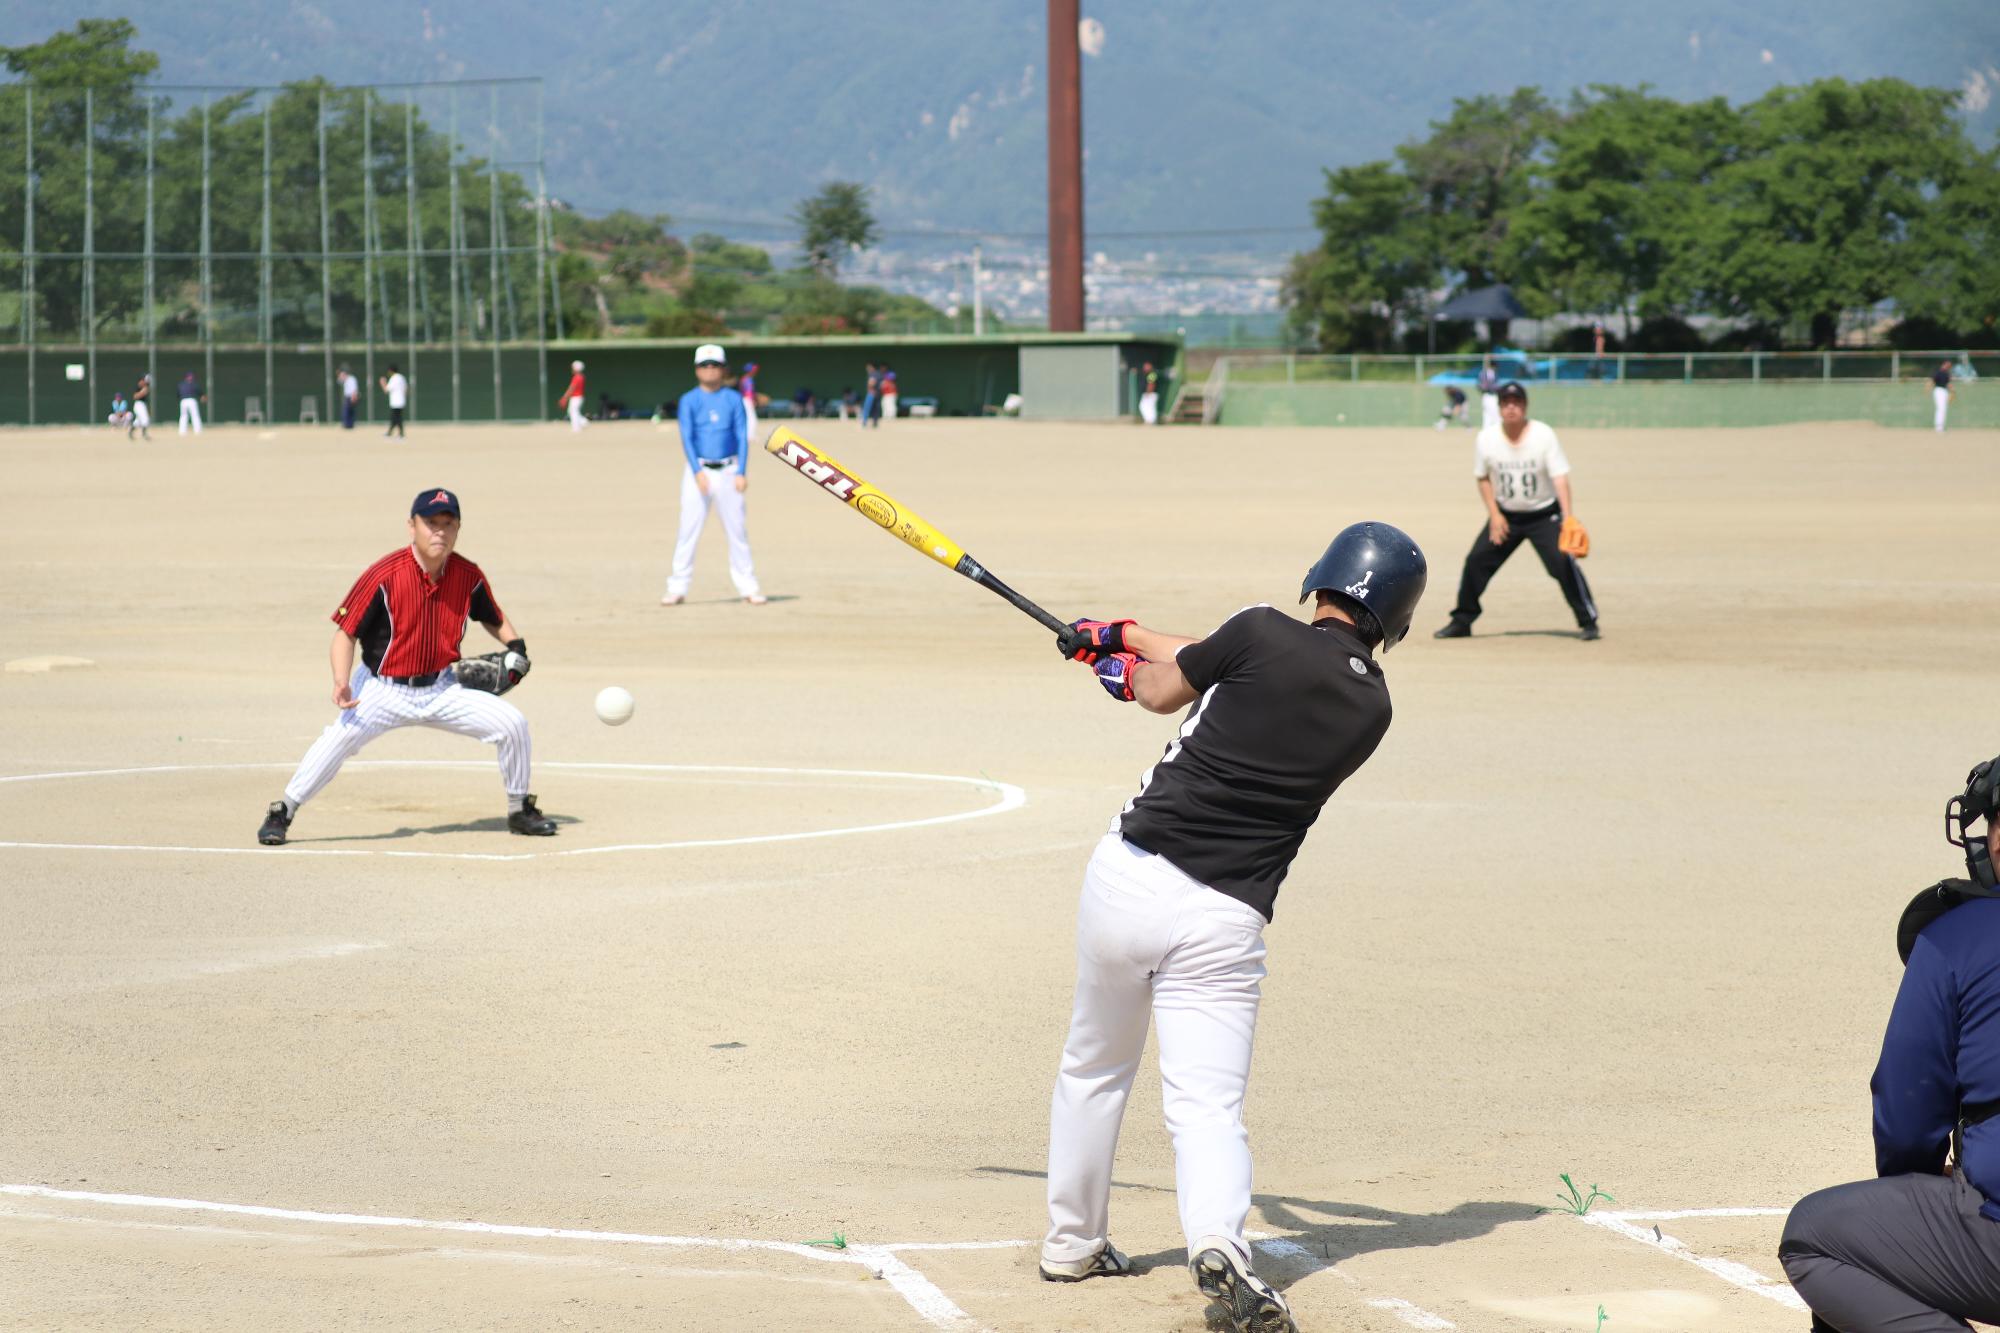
[(1198, 117)]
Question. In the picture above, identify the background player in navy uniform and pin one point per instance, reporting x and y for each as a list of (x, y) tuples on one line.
[(1523, 479), (1917, 1250), (1175, 899), (406, 616)]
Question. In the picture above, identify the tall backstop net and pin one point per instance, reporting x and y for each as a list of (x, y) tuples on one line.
[(263, 237)]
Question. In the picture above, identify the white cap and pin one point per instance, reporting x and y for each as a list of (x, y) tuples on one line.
[(709, 352), (576, 365)]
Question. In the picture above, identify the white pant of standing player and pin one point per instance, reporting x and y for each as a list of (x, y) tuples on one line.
[(728, 502), (889, 406), (1489, 410), (190, 411), (1941, 401), (577, 421), (1149, 408), (1151, 942), (445, 704), (750, 422), (141, 416)]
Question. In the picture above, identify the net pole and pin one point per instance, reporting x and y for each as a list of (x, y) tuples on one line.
[(451, 158), (152, 330), (493, 237), (28, 256), (410, 247), (207, 262), (367, 248), (90, 245), (264, 329), (541, 262), (325, 265)]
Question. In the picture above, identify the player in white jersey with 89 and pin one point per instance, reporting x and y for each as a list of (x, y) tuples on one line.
[(1523, 479)]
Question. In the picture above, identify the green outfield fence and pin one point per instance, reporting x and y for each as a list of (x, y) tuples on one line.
[(1713, 389)]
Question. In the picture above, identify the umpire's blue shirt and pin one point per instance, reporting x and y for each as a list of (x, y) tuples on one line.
[(1943, 1049), (713, 428)]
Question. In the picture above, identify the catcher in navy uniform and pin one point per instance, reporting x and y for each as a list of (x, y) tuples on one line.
[(1917, 1250), (1171, 923)]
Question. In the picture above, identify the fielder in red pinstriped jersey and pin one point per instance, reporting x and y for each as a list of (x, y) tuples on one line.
[(405, 617)]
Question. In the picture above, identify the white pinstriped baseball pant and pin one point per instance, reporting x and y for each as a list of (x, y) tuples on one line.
[(1153, 943), (444, 703)]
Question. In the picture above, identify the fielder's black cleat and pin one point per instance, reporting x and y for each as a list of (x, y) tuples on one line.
[(1456, 629), (1589, 634), (276, 821), (1107, 1262), (530, 821), (1250, 1303)]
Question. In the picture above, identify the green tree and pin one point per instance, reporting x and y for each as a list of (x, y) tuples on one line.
[(1617, 204), (1473, 172), (95, 55), (1376, 260), (831, 223), (1814, 212), (1954, 277)]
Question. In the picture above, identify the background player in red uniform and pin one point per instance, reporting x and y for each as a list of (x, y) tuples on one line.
[(406, 616)]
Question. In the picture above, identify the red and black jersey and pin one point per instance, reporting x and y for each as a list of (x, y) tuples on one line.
[(408, 625)]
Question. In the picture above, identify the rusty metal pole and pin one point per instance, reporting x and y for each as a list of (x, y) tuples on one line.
[(1065, 170)]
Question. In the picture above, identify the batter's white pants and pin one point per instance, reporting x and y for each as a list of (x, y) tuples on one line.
[(444, 704), (1151, 942), (141, 417), (576, 418), (1941, 401), (1489, 409), (190, 411), (728, 502), (1149, 408)]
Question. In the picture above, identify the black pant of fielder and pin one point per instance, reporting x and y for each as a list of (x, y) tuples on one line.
[(1483, 561), (1903, 1254)]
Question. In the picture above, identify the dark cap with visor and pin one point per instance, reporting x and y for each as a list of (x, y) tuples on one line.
[(437, 500)]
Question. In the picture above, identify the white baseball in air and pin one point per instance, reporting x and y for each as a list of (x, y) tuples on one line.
[(614, 706)]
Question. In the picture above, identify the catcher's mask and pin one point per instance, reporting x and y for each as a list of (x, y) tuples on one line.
[(1980, 800)]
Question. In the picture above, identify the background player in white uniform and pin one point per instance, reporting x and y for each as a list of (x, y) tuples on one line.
[(1523, 479), (1941, 392), (1171, 922)]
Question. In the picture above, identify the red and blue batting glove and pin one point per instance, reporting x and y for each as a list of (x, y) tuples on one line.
[(1114, 673), (1092, 640)]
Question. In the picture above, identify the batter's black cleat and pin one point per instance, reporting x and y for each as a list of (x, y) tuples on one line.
[(1456, 629), (1249, 1303), (1589, 634), (276, 821), (1107, 1262), (530, 821)]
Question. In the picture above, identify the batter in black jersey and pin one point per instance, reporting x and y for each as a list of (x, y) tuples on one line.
[(1175, 899)]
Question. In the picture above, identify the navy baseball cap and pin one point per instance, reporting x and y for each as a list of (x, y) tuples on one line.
[(435, 501), (1513, 389)]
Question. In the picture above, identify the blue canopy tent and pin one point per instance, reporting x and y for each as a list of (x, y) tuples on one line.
[(1496, 305)]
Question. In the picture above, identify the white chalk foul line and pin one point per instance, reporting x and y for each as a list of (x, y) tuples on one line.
[(1010, 796), (1278, 1247), (1735, 1274), (919, 1291)]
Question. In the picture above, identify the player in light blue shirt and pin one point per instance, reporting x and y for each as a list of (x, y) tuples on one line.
[(715, 437)]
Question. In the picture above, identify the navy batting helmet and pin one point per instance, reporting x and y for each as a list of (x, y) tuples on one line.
[(1376, 570)]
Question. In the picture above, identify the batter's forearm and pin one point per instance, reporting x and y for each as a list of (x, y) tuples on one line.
[(1153, 645), (1159, 687), (341, 657)]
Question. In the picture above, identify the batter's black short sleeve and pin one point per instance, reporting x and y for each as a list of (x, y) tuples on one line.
[(1223, 653)]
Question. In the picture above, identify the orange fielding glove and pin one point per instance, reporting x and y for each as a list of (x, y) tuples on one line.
[(1574, 541)]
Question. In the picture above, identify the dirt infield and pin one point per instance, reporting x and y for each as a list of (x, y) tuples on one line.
[(798, 963)]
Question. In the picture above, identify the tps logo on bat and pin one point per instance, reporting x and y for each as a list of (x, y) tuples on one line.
[(798, 456)]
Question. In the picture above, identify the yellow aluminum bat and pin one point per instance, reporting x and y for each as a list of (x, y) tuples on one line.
[(892, 516)]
